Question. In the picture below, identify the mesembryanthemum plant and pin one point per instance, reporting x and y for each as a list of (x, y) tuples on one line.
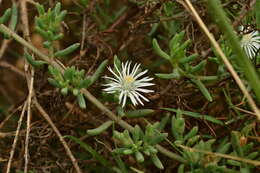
[(128, 82)]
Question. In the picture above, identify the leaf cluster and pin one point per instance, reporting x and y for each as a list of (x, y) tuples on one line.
[(182, 64), (73, 80), (138, 143)]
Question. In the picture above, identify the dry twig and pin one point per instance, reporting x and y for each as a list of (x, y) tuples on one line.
[(16, 138), (55, 129)]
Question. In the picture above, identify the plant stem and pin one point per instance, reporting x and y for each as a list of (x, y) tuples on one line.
[(19, 39), (241, 58), (257, 11)]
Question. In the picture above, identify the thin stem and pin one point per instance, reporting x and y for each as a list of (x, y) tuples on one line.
[(30, 82), (252, 162), (16, 138), (19, 39), (257, 10), (65, 145)]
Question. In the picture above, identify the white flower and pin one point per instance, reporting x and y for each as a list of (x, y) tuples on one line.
[(128, 83), (251, 44)]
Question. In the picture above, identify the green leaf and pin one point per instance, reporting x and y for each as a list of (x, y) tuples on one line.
[(120, 163), (57, 9), (47, 44), (54, 83), (89, 149), (203, 89), (61, 16), (100, 129), (118, 135), (85, 83), (69, 73), (236, 144), (139, 157), (5, 16), (124, 151), (40, 23), (43, 33), (127, 140), (14, 17), (248, 147), (40, 9), (233, 163), (99, 71), (33, 62), (55, 72), (188, 59), (224, 149), (81, 101), (175, 41), (163, 122), (158, 138), (137, 133), (117, 62), (247, 129), (139, 113), (178, 126), (84, 2), (193, 140), (128, 151), (182, 47), (252, 155), (156, 161), (64, 91), (159, 51), (58, 37), (197, 115), (191, 133), (67, 51), (168, 8), (198, 67), (181, 168), (245, 170), (174, 75)]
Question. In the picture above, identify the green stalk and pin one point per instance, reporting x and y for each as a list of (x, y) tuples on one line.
[(241, 58), (257, 11)]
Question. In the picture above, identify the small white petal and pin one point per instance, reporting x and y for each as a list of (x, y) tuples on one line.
[(124, 100), (142, 96), (135, 69), (118, 77), (144, 90), (110, 78), (132, 98), (140, 74)]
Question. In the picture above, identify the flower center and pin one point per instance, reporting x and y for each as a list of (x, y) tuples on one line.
[(128, 82), (246, 39)]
